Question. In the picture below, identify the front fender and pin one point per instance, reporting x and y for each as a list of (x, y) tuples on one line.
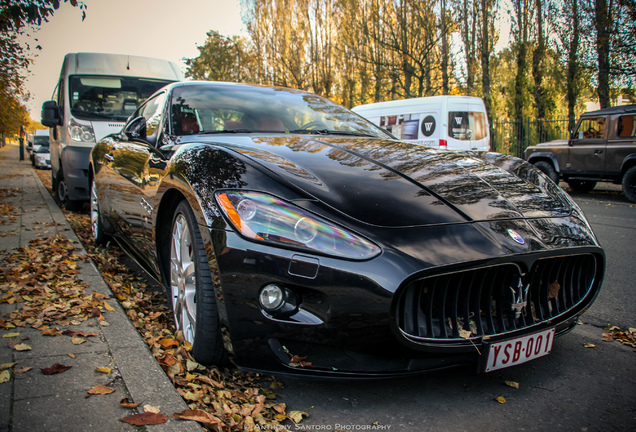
[(537, 156)]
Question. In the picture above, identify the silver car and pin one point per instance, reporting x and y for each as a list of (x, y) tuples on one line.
[(41, 157)]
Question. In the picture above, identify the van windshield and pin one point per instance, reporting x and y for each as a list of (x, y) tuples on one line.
[(467, 125), (104, 97), (41, 140)]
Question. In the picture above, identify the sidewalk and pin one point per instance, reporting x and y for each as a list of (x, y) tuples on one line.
[(32, 401)]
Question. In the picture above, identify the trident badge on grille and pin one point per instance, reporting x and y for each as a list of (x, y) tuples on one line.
[(519, 298)]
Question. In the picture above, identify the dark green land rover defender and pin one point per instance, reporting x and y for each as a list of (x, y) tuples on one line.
[(602, 148)]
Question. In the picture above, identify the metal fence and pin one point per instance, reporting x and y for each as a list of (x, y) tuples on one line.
[(513, 137)]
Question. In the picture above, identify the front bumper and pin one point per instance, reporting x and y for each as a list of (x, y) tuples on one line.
[(353, 319), (75, 164)]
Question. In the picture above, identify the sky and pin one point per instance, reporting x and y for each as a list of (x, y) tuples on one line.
[(165, 29)]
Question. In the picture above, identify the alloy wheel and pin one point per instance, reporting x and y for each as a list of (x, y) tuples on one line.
[(182, 278), (94, 211)]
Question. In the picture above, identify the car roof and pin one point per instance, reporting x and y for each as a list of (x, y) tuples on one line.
[(613, 110)]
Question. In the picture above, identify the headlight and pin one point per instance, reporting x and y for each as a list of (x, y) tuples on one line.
[(262, 217), (79, 132)]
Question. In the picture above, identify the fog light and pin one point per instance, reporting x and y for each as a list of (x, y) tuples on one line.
[(272, 297)]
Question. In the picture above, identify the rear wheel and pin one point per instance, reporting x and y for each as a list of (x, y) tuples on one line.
[(581, 185), (629, 184), (191, 291), (548, 169), (61, 194)]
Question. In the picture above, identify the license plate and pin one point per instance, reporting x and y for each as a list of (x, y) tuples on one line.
[(512, 352)]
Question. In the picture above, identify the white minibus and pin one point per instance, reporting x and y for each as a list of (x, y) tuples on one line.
[(93, 98), (445, 122)]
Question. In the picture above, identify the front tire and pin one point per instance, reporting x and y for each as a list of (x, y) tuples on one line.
[(548, 169), (61, 194), (191, 291), (629, 184)]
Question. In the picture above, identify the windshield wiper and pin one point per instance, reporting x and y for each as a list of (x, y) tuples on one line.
[(329, 132), (80, 114), (225, 131)]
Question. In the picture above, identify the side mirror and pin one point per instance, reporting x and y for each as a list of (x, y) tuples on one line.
[(136, 129), (51, 114)]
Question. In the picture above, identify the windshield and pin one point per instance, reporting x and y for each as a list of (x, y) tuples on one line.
[(41, 149), (245, 109), (101, 97), (41, 140)]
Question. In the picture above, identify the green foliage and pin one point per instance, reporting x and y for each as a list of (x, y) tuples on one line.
[(16, 18)]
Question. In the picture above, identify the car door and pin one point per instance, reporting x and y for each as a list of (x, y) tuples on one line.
[(132, 158), (621, 142), (586, 154)]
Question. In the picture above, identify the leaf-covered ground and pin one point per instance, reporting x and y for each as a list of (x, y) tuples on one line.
[(42, 277)]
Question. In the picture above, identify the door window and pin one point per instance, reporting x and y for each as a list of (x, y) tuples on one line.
[(404, 126), (626, 127), (467, 125), (152, 112), (591, 128)]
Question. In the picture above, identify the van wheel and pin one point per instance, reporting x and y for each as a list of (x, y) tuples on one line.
[(629, 184), (581, 185), (61, 194), (548, 169)]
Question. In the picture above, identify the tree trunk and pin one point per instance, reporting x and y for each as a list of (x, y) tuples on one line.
[(538, 72), (485, 58), (573, 66), (603, 21), (444, 53)]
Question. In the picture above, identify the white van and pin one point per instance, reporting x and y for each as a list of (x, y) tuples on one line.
[(445, 122), (93, 98)]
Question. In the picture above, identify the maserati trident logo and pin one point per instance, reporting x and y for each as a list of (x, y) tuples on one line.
[(516, 236), (519, 298)]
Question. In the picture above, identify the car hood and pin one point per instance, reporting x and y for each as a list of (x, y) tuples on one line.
[(395, 184)]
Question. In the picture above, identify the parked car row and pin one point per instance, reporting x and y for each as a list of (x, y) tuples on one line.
[(39, 150), (285, 226)]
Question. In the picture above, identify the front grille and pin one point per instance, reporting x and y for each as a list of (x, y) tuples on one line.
[(493, 300)]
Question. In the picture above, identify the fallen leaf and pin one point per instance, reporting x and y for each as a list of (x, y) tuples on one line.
[(297, 416), (4, 366), (464, 334), (22, 347), (146, 418), (5, 376), (104, 369), (152, 409), (77, 340), (108, 307), (23, 369), (71, 355), (589, 345), (55, 369), (126, 403), (553, 290), (501, 399), (198, 416), (10, 335), (100, 390), (167, 343), (512, 384)]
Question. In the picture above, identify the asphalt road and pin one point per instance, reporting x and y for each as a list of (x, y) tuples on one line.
[(575, 388)]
